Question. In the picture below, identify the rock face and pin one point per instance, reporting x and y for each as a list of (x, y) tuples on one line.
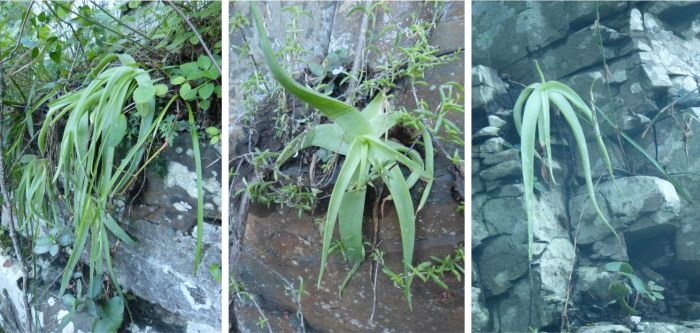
[(279, 251), (157, 273), (650, 51)]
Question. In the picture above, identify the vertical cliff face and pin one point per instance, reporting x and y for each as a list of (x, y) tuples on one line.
[(278, 250), (649, 90)]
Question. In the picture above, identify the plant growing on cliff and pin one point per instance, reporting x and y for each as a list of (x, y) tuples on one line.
[(358, 136), (532, 121), (94, 133)]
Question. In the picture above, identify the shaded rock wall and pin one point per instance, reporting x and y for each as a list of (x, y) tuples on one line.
[(651, 54)]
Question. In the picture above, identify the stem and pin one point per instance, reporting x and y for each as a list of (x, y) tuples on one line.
[(539, 70), (19, 35)]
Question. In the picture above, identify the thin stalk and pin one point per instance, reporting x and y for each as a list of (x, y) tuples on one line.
[(19, 35), (196, 33), (121, 23)]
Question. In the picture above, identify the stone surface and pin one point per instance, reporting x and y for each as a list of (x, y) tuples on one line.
[(502, 170), (604, 328), (480, 314), (647, 204), (650, 53), (592, 284), (160, 269), (489, 131), (171, 198), (279, 249), (347, 28), (448, 35), (488, 90), (506, 155)]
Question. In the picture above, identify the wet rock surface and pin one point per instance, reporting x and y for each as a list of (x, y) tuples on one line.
[(650, 53)]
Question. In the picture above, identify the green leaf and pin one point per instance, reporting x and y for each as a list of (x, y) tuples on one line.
[(206, 90), (144, 94), (112, 314), (346, 116), (317, 70), (212, 131), (342, 182), (177, 80), (161, 90), (112, 225), (203, 62), (186, 92)]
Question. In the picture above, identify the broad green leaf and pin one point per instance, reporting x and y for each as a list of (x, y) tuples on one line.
[(206, 90), (177, 80), (161, 90), (143, 94), (186, 92), (203, 61), (346, 116), (342, 182)]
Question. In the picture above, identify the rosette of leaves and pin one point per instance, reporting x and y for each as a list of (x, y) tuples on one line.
[(359, 135), (532, 121)]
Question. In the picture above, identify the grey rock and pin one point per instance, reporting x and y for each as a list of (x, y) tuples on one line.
[(493, 145), (502, 170), (480, 313), (488, 131), (477, 185), (488, 90), (604, 328), (609, 249), (475, 166), (593, 281), (171, 199), (347, 28), (495, 121), (448, 35), (501, 263), (641, 196), (164, 271), (503, 156)]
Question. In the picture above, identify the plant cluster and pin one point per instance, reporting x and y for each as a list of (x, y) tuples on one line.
[(358, 136), (625, 283), (85, 102)]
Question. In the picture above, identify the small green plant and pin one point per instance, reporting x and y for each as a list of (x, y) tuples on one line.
[(214, 135), (434, 270), (533, 123), (360, 137), (625, 281)]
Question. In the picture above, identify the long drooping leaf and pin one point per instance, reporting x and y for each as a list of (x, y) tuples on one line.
[(527, 157), (570, 117), (346, 116)]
